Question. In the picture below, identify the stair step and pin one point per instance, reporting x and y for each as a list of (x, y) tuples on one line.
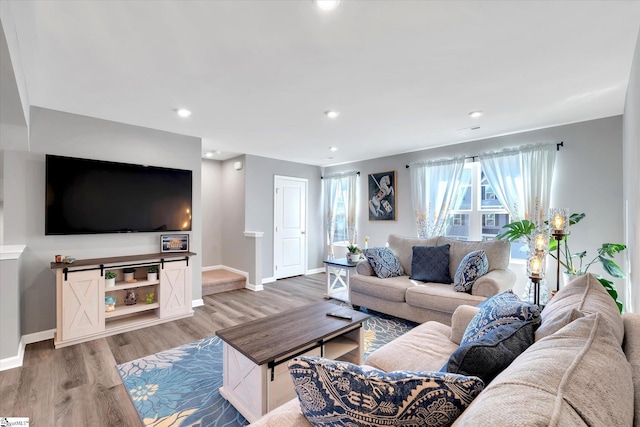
[(220, 280)]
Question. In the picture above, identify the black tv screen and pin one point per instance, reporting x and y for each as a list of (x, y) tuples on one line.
[(90, 196)]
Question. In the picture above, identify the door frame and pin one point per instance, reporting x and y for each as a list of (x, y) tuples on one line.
[(305, 250)]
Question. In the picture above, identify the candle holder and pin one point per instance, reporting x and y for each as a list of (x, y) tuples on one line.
[(536, 260), (559, 222)]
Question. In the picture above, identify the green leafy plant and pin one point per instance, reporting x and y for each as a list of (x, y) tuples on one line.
[(152, 269), (572, 262), (354, 249), (109, 275)]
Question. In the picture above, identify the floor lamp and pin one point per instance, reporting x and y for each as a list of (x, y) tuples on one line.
[(559, 224)]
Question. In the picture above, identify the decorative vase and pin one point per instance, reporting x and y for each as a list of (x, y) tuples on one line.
[(568, 277), (131, 298), (351, 257), (110, 282), (109, 303), (128, 277), (152, 276)]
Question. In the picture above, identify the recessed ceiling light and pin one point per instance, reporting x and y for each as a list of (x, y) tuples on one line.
[(331, 114), (327, 4), (475, 114), (183, 112), (209, 154), (333, 148)]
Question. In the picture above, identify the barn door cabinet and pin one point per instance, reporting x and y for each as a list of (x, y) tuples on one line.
[(81, 310)]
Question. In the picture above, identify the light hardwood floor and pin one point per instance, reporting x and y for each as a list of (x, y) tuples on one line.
[(78, 386)]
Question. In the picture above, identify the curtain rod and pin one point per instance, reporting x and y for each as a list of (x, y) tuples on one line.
[(473, 158), (357, 173)]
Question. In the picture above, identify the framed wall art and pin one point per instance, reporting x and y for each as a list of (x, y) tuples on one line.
[(382, 196), (174, 243)]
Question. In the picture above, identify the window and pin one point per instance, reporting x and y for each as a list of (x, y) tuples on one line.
[(477, 213), (340, 235)]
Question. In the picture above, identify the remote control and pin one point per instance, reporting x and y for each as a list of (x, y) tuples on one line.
[(340, 316)]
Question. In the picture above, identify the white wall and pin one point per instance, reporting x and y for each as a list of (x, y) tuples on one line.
[(588, 178), (212, 206), (54, 132), (631, 201)]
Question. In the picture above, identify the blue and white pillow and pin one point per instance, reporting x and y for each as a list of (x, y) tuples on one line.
[(334, 393), (384, 262), (498, 310), (431, 264), (474, 265)]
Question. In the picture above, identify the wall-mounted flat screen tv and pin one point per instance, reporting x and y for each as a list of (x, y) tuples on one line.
[(91, 196)]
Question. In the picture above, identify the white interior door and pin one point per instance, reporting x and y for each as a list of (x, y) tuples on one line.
[(290, 239)]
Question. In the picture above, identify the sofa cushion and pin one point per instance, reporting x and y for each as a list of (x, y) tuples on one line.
[(384, 262), (554, 323), (498, 252), (424, 348), (492, 353), (391, 289), (439, 297), (498, 310), (588, 295), (578, 376), (335, 393), (403, 248), (431, 264), (472, 266)]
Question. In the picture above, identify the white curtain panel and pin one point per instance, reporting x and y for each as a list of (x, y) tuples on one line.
[(521, 178), (433, 189), (336, 186)]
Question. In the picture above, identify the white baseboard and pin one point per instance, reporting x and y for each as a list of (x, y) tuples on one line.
[(38, 336), (253, 287), (268, 280), (197, 303), (16, 361), (213, 267), (315, 271)]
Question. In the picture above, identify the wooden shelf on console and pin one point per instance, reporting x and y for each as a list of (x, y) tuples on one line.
[(124, 310), (126, 285)]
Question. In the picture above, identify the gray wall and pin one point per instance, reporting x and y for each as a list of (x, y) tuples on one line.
[(588, 178), (232, 210), (259, 199), (212, 206), (10, 272), (631, 144), (55, 132)]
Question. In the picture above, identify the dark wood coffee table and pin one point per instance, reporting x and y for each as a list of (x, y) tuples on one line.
[(255, 375)]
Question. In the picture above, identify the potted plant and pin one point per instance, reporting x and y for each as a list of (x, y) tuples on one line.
[(110, 279), (128, 274), (152, 273), (573, 262), (354, 253)]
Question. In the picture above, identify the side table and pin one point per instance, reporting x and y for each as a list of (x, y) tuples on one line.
[(338, 273)]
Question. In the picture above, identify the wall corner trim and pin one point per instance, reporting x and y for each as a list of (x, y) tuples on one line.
[(253, 233), (14, 361), (11, 251), (197, 303)]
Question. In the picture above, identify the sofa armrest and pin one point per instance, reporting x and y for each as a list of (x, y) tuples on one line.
[(494, 282), (460, 320), (365, 268), (288, 414), (631, 348)]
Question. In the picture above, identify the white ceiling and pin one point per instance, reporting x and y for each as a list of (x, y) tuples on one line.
[(258, 75)]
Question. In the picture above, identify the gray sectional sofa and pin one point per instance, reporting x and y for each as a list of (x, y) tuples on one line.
[(582, 370), (419, 301)]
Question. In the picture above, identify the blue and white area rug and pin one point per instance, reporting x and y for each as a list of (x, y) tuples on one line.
[(179, 387)]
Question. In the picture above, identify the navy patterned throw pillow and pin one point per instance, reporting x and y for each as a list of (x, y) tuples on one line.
[(334, 393), (498, 310), (384, 262), (431, 264), (474, 265), (491, 354)]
